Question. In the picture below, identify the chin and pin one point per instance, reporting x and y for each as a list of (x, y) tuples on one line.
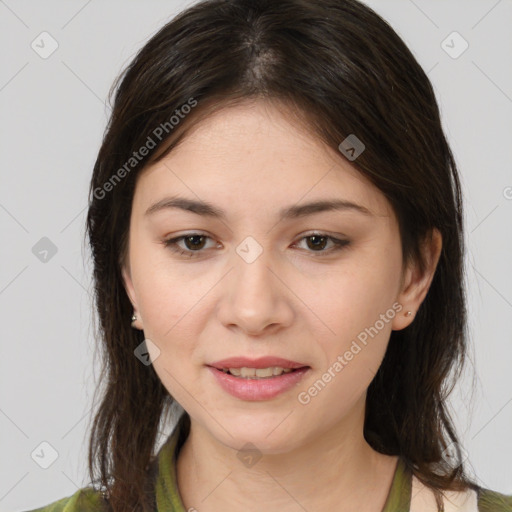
[(264, 435)]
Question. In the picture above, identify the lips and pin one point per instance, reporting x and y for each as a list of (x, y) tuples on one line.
[(262, 362), (245, 386), (258, 389)]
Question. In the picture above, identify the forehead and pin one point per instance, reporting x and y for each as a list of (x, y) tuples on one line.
[(259, 154)]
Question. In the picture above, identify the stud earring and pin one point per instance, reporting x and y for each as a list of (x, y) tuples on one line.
[(134, 318), (409, 313)]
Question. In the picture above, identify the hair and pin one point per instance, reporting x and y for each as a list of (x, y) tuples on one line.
[(341, 69)]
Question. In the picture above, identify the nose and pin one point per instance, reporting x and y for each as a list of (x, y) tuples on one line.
[(255, 298)]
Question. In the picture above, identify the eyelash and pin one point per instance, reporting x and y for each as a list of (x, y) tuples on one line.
[(172, 244)]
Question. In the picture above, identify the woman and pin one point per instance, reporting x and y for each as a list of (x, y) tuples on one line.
[(275, 221)]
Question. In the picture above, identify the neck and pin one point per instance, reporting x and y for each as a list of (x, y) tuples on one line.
[(337, 470)]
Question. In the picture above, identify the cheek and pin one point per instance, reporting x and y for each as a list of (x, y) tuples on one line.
[(170, 311), (160, 308), (355, 302), (357, 307), (169, 296), (352, 297)]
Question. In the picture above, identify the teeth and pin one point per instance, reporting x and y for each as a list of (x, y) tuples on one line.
[(257, 373), (264, 372)]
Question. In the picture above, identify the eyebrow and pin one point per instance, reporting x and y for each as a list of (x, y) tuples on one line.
[(291, 212)]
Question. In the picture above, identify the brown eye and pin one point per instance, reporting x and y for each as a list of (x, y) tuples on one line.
[(322, 243), (190, 245), (317, 242), (194, 242)]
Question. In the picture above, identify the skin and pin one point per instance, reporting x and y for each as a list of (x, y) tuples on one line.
[(293, 301)]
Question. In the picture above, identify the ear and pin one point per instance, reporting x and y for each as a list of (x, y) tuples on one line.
[(416, 281), (130, 291)]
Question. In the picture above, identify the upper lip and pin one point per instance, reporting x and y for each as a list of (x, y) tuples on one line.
[(261, 362)]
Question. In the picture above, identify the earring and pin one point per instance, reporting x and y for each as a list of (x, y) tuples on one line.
[(409, 313), (134, 318)]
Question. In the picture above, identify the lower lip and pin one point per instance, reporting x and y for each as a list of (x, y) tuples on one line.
[(258, 389)]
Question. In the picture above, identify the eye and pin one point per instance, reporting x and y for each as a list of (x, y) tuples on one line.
[(194, 243), (318, 241)]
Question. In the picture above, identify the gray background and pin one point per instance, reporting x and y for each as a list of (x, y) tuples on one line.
[(53, 116)]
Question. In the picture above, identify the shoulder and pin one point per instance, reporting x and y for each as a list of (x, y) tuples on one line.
[(492, 501), (83, 500), (471, 500)]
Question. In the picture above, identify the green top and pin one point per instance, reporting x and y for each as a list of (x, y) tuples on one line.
[(168, 498)]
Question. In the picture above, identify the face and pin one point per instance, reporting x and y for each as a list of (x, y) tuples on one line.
[(255, 275)]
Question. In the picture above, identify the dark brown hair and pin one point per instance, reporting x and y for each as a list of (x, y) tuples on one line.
[(342, 70)]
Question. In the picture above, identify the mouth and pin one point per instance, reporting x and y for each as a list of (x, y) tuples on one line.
[(259, 373), (261, 368), (257, 379)]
